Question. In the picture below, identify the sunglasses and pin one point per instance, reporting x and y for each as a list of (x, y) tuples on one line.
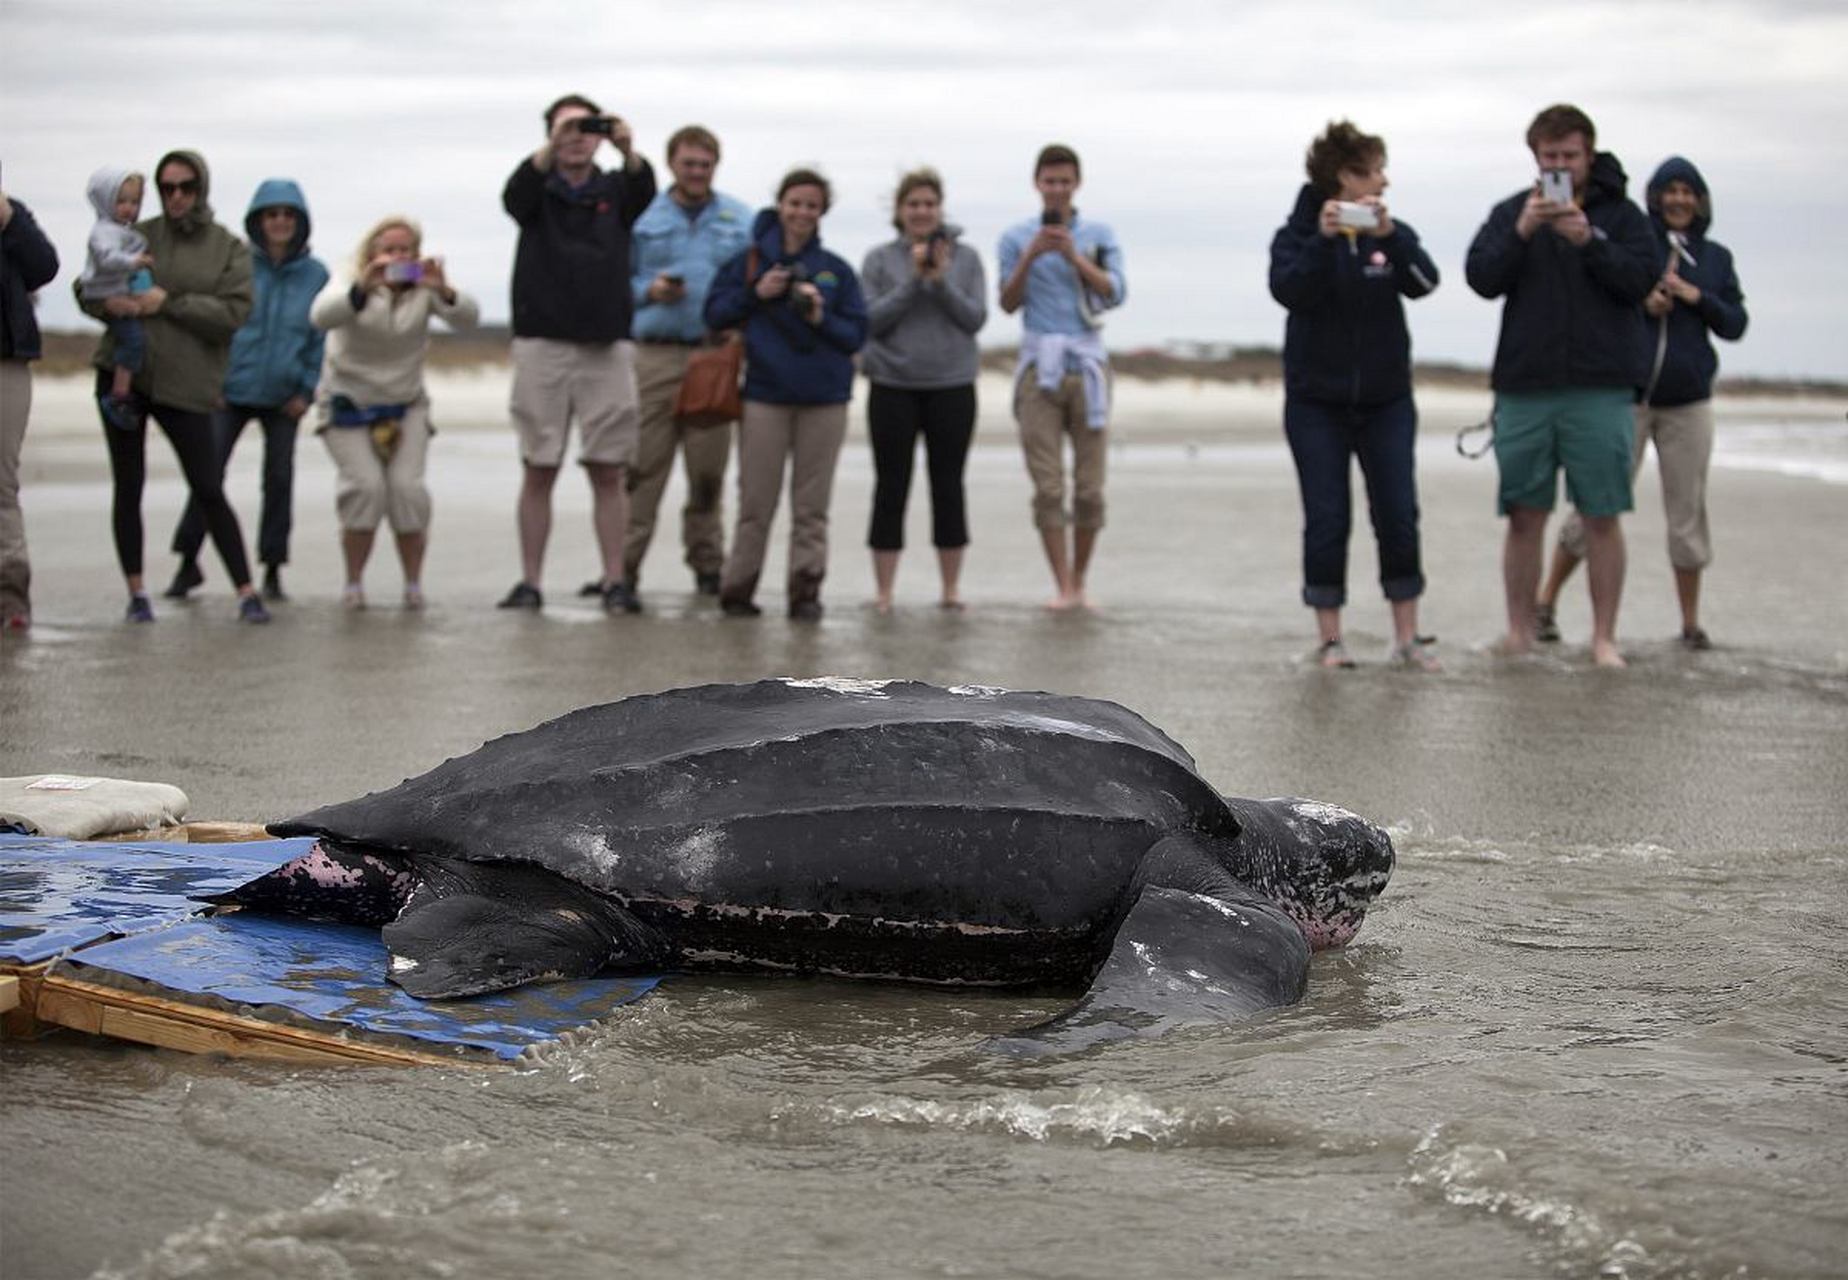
[(190, 187)]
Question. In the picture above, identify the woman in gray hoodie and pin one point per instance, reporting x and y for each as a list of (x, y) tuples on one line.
[(925, 297)]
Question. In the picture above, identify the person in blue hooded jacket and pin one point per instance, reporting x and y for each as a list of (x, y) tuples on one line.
[(1347, 369), (1697, 297), (803, 317), (275, 366)]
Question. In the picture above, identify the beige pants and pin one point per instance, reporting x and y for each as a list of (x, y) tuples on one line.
[(1046, 418), (15, 408), (704, 452), (807, 438), (371, 490), (1683, 439)]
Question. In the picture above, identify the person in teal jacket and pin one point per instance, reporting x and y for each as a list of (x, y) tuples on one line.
[(275, 365)]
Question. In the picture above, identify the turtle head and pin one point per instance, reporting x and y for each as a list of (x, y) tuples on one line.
[(1322, 864)]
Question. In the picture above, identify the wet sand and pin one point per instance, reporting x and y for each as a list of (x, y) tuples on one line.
[(1597, 1022)]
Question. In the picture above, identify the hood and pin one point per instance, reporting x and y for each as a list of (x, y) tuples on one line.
[(272, 193), (1608, 181), (1677, 169), (104, 184), (1307, 212), (200, 216)]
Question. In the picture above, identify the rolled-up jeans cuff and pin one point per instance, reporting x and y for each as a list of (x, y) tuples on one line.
[(1324, 597), (1404, 588)]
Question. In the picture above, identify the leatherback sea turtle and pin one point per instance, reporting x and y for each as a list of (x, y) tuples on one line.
[(873, 829)]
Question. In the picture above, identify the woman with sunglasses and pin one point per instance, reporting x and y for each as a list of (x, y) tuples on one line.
[(201, 294)]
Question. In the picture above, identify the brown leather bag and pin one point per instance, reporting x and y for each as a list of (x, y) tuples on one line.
[(709, 394)]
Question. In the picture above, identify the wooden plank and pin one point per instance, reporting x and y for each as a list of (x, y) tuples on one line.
[(20, 1022), (170, 1024), (9, 993), (196, 833)]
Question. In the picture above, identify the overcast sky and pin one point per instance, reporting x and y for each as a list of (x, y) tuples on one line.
[(1191, 119)]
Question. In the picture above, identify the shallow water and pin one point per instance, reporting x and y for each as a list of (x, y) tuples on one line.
[(1598, 1025)]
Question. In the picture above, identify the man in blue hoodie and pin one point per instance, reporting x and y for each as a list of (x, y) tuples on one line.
[(275, 366), (1696, 296), (1574, 266)]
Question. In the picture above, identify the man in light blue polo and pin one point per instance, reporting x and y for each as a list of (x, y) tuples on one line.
[(682, 238), (1062, 272)]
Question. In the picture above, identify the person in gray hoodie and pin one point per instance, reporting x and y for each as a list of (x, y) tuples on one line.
[(274, 369), (116, 263), (925, 302)]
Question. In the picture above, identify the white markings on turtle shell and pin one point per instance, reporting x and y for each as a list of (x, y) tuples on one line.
[(976, 691), (841, 684), (1317, 811), (698, 854), (402, 964), (594, 847)]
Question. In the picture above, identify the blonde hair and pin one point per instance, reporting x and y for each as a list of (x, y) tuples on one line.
[(363, 257), (924, 177)]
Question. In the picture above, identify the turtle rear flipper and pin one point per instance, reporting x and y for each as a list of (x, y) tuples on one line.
[(472, 941), (1180, 958)]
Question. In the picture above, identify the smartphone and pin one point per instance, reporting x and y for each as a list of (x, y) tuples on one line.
[(1051, 218), (1556, 185), (673, 277), (403, 272), (1353, 214)]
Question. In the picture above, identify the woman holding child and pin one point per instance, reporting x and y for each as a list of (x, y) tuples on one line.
[(926, 300), (374, 415), (201, 293)]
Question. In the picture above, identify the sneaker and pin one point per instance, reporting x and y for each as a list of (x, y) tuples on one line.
[(740, 608), (413, 596), (1333, 655), (185, 578), (19, 621), (805, 610), (619, 597), (707, 584), (1417, 654), (523, 596), (353, 596), (1696, 639), (1546, 627), (250, 609), (139, 610), (272, 584), (592, 589)]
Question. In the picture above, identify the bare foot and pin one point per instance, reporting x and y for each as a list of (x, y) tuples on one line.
[(951, 603), (1604, 653), (1512, 645), (1063, 603), (883, 605)]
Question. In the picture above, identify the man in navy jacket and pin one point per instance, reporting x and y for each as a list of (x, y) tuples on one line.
[(572, 357), (1573, 270)]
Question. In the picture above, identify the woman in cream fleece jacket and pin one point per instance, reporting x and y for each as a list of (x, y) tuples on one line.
[(374, 415)]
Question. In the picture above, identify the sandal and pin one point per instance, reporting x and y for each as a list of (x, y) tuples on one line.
[(413, 596), (353, 596), (1546, 627), (1417, 654), (1696, 639), (1333, 656)]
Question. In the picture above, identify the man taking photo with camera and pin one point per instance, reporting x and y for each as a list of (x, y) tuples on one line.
[(1573, 258), (572, 357)]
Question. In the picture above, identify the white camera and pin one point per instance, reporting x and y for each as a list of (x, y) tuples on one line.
[(1360, 217)]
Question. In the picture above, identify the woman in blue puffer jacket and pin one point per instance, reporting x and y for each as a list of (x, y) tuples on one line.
[(275, 364)]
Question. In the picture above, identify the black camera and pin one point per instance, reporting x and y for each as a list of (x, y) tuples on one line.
[(798, 272), (602, 126), (1051, 218)]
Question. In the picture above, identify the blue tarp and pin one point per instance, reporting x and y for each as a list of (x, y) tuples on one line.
[(335, 973), (58, 895)]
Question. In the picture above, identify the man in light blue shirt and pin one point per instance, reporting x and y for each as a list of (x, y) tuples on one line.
[(1063, 273), (682, 238)]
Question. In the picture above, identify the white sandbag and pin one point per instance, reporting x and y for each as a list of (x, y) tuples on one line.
[(80, 808)]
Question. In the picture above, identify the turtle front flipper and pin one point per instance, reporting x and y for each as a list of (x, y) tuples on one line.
[(507, 927), (1212, 952)]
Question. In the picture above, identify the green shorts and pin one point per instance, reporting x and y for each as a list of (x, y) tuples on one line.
[(1587, 430)]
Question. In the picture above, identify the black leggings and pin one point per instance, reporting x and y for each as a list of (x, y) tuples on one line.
[(191, 436), (894, 418)]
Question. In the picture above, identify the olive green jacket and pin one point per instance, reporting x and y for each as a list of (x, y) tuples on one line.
[(205, 270)]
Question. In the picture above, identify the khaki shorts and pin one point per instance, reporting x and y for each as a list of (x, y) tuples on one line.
[(554, 382)]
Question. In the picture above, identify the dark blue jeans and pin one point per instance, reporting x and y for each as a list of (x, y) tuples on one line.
[(277, 519), (1324, 437)]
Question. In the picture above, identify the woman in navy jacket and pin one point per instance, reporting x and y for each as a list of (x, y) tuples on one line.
[(1347, 367), (803, 318), (1696, 298)]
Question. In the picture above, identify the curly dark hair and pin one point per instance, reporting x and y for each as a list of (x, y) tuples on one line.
[(1341, 146), (806, 178), (1559, 121)]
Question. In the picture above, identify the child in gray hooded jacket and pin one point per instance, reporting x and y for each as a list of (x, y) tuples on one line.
[(116, 265)]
